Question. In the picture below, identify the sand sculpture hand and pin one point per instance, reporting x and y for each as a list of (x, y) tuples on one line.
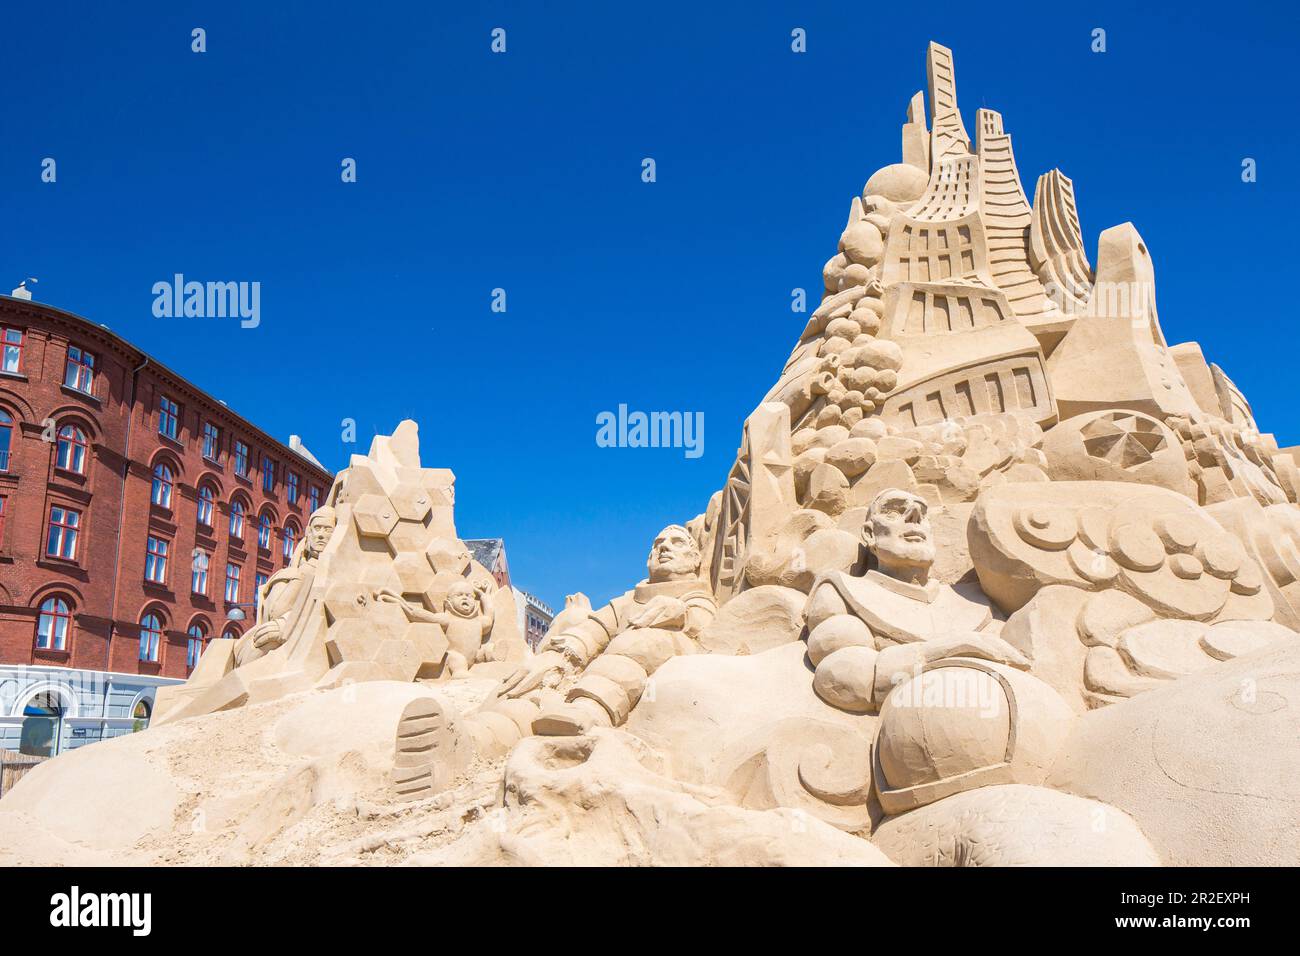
[(662, 611), (267, 634), (547, 669)]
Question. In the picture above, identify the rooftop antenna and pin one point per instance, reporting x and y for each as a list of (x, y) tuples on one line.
[(22, 292)]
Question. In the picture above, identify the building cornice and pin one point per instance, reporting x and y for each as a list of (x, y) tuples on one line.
[(39, 313)]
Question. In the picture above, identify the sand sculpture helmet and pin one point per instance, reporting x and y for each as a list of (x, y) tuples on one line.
[(897, 531), (462, 599), (320, 528), (674, 556)]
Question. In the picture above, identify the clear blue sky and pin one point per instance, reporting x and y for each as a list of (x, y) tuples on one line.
[(522, 171)]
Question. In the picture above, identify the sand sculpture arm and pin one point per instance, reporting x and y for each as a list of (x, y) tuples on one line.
[(824, 603), (487, 614), (413, 612), (700, 612), (584, 642), (278, 595)]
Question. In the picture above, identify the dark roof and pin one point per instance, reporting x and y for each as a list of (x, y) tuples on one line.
[(485, 550)]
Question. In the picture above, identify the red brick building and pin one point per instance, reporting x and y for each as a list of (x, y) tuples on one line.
[(135, 510)]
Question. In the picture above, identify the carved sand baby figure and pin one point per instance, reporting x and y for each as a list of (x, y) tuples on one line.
[(867, 633), (467, 618), (282, 597), (616, 648)]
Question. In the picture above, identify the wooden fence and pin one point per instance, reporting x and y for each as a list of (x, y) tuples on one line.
[(12, 767)]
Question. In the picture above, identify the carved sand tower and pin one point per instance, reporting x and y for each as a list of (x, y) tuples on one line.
[(958, 324)]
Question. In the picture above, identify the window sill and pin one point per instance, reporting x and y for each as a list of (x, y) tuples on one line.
[(60, 564), (158, 587), (214, 462), (174, 442), (149, 667), (85, 396), (19, 376), (49, 654), (67, 474)]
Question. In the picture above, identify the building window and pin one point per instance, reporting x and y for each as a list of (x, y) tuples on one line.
[(237, 521), (194, 645), (313, 497), (169, 414), (268, 474), (150, 637), (162, 485), (42, 730), (12, 357), (6, 439), (80, 373), (231, 633), (291, 487), (290, 535), (71, 453), (258, 581), (65, 524), (232, 583), (53, 625), (211, 441), (140, 717), (264, 532), (199, 573), (207, 504), (241, 459), (155, 560)]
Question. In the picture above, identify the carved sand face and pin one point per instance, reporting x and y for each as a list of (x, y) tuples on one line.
[(674, 556), (461, 599), (897, 532), (319, 531)]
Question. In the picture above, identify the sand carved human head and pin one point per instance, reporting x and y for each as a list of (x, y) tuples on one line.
[(897, 531), (462, 599), (320, 528), (674, 556)]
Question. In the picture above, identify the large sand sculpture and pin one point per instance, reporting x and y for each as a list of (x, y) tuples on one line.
[(998, 577)]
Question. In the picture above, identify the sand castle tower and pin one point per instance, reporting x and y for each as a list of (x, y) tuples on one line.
[(958, 324)]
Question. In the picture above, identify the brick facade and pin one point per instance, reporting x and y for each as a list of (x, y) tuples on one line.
[(105, 582)]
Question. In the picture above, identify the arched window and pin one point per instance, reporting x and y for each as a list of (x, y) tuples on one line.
[(194, 645), (264, 531), (6, 439), (53, 625), (72, 449), (150, 637), (42, 726), (237, 521), (140, 715), (231, 633), (207, 501), (162, 485), (290, 541)]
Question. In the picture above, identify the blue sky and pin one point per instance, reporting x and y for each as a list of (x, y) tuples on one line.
[(522, 171)]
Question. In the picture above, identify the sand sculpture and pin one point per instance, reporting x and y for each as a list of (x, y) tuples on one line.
[(998, 576)]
